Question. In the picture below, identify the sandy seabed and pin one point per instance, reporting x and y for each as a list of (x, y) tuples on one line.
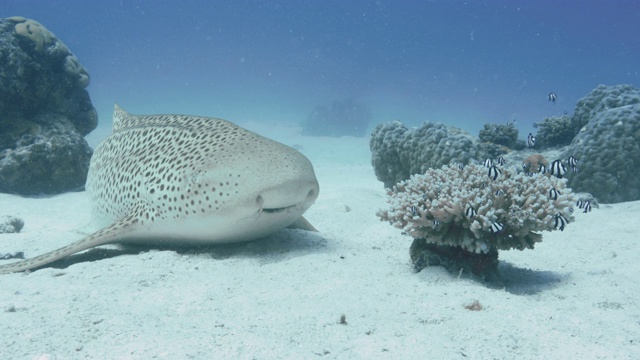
[(576, 296)]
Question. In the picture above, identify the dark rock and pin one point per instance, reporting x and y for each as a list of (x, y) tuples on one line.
[(44, 112)]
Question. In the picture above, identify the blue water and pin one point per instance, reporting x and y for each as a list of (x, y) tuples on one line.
[(460, 63)]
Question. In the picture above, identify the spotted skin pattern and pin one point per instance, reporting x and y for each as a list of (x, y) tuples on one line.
[(175, 179)]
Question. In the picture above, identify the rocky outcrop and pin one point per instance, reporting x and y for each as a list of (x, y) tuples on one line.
[(45, 112)]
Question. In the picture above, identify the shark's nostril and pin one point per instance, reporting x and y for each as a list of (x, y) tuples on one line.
[(259, 202), (311, 193)]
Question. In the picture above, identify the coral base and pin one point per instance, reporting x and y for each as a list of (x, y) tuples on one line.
[(454, 259)]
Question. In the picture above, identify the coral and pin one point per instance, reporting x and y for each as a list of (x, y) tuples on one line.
[(33, 31), (505, 135), (46, 43), (344, 118), (608, 150), (469, 211), (532, 163), (555, 131), (398, 152), (603, 98), (10, 224)]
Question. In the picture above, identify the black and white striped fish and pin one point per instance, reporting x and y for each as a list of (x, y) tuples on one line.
[(580, 203), (573, 163), (501, 161), (496, 227), (552, 97), (557, 169), (414, 210), (436, 222), (470, 212), (553, 194), (488, 163), (499, 192), (587, 207), (560, 222), (531, 140), (542, 169), (494, 172), (460, 166)]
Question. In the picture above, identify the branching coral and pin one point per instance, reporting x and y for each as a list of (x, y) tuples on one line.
[(465, 208)]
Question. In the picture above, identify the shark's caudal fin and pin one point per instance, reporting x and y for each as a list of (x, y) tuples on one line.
[(108, 235)]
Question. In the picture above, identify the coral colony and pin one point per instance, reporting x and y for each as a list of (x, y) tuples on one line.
[(460, 216)]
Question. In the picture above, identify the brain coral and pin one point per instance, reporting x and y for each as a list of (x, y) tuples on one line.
[(608, 149), (45, 42), (466, 209), (398, 152), (603, 98)]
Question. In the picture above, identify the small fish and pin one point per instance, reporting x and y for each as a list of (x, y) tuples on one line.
[(499, 192), (573, 163), (552, 97), (560, 222), (494, 172), (470, 212), (531, 140), (403, 233), (575, 169), (542, 169), (580, 204), (524, 166), (488, 163), (414, 210), (436, 222), (461, 166), (535, 125), (553, 194), (529, 174), (483, 185), (424, 196), (557, 169), (496, 227), (587, 207), (501, 161)]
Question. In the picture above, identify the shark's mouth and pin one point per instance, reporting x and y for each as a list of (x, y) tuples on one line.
[(300, 206), (277, 210)]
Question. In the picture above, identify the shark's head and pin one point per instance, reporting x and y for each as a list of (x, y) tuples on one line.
[(266, 187)]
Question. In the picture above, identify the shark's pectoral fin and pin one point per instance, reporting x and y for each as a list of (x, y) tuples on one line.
[(302, 224)]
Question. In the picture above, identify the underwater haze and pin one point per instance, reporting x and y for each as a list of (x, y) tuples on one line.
[(460, 63)]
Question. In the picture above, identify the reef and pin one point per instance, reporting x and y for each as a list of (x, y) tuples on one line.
[(398, 152), (555, 131), (344, 118), (505, 135), (608, 149), (45, 112), (601, 99), (461, 218)]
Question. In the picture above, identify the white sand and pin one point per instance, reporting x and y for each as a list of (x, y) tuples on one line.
[(574, 297)]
